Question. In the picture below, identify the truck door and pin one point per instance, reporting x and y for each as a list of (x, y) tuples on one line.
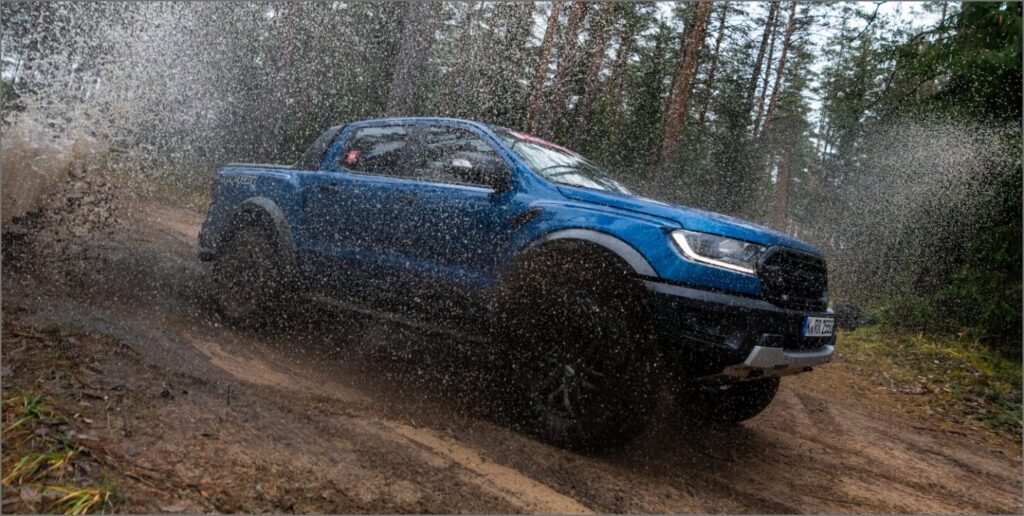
[(456, 223), (349, 222)]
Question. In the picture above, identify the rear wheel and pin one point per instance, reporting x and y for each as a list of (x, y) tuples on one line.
[(729, 403), (581, 357), (247, 275)]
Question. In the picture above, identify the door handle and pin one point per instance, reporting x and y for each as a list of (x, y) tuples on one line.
[(332, 187), (406, 199)]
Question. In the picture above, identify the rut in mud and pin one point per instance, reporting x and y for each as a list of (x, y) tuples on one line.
[(347, 412)]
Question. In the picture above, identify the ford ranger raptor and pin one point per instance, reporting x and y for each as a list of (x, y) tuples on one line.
[(591, 298)]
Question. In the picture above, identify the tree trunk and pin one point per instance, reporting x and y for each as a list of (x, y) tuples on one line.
[(687, 29), (819, 144), (500, 98), (537, 91), (780, 203), (413, 55), (767, 76), (566, 61), (596, 59), (782, 68), (756, 76), (449, 88), (676, 120), (709, 88), (616, 83), (934, 87)]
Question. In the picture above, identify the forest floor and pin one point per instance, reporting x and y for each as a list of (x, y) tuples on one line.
[(122, 391)]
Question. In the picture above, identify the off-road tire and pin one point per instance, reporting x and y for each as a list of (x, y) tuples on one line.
[(247, 275), (729, 403), (578, 347)]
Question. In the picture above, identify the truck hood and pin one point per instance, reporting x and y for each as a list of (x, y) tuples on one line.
[(688, 218)]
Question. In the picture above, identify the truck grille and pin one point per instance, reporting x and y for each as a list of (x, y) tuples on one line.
[(794, 279)]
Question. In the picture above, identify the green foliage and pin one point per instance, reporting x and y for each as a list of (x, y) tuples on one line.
[(980, 65), (938, 113), (957, 377), (982, 300)]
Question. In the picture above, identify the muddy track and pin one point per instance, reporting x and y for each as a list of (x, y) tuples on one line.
[(346, 412)]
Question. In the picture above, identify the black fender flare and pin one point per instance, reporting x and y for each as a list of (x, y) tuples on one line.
[(632, 260), (616, 246), (268, 208)]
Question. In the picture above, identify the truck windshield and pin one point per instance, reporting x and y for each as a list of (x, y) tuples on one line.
[(558, 164)]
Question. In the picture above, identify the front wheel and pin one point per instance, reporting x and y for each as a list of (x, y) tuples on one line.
[(585, 397), (729, 403), (580, 351), (247, 277)]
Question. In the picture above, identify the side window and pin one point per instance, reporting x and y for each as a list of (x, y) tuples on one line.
[(375, 150), (439, 146)]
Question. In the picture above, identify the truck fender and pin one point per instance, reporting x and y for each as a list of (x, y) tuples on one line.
[(626, 252), (264, 206)]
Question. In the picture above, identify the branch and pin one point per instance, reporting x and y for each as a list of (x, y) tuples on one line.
[(867, 24), (901, 99)]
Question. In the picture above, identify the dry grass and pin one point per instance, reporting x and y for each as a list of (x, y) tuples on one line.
[(40, 465)]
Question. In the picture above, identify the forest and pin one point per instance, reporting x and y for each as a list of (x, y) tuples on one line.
[(893, 147), (885, 134)]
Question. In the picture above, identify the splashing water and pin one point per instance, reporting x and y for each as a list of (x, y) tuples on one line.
[(166, 92)]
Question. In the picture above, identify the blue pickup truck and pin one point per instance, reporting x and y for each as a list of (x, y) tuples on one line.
[(591, 298)]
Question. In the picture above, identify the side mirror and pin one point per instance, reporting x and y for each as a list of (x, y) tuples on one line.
[(482, 169)]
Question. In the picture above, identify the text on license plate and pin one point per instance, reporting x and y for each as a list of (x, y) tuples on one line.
[(818, 326)]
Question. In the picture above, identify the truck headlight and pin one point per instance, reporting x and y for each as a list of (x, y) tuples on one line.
[(727, 253)]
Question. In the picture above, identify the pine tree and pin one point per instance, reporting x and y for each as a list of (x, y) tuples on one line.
[(709, 86), (541, 72), (769, 25), (550, 118), (419, 21), (790, 27), (683, 84), (602, 29)]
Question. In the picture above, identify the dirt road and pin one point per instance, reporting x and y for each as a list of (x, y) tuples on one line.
[(352, 413)]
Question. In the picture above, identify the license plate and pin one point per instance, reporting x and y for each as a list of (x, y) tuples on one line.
[(818, 326)]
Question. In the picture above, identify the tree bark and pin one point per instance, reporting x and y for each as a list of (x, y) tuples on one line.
[(687, 29), (780, 203), (790, 26), (683, 84), (709, 88), (756, 76), (413, 55), (596, 59), (767, 77), (566, 60), (537, 90)]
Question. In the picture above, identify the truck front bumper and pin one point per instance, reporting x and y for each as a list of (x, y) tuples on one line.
[(707, 334), (766, 362)]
